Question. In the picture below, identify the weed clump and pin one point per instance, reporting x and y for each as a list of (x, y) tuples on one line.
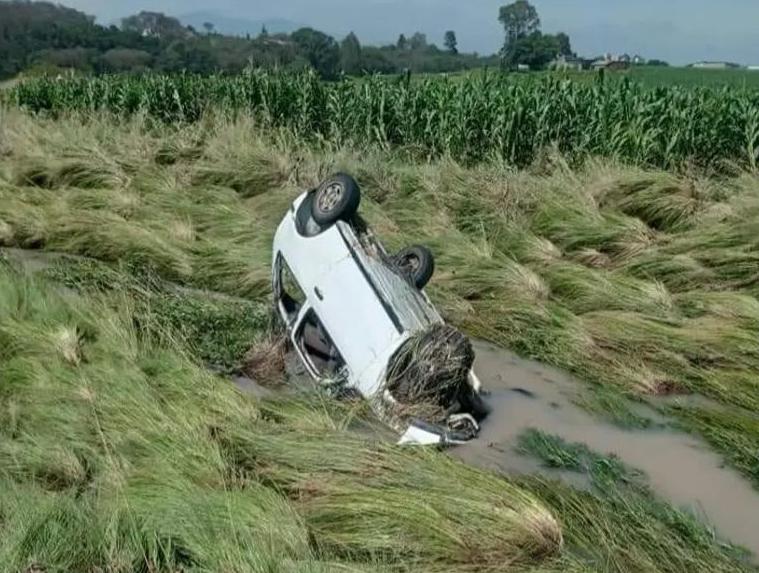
[(429, 373)]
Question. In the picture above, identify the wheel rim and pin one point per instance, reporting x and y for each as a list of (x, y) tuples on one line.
[(330, 197), (411, 263)]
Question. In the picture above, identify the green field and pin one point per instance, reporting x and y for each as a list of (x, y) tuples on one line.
[(692, 77), (655, 76), (650, 76), (474, 119)]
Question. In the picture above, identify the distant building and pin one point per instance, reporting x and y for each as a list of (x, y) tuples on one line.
[(606, 62), (714, 65), (638, 60), (523, 67), (277, 40), (564, 63), (610, 64)]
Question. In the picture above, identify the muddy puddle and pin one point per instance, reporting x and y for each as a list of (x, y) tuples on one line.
[(680, 468)]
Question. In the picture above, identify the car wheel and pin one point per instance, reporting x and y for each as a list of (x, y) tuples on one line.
[(336, 199), (418, 263)]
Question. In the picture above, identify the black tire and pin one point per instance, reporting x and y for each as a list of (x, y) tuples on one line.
[(418, 263), (336, 199)]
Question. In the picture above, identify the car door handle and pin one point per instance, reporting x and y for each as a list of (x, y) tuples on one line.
[(318, 293)]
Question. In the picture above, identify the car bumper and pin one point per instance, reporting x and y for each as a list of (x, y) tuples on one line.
[(460, 429)]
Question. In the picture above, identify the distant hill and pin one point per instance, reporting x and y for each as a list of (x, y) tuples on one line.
[(236, 26)]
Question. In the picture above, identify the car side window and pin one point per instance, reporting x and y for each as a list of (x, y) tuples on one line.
[(291, 295), (318, 349)]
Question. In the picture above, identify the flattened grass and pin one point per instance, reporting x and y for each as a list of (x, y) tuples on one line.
[(732, 431), (118, 452), (639, 281)]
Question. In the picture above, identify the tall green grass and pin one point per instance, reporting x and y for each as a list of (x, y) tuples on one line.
[(471, 119), (565, 265), (119, 453)]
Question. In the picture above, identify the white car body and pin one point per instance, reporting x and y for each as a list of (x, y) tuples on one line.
[(367, 309)]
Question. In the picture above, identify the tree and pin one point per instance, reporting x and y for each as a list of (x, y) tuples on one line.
[(76, 58), (418, 41), (31, 31), (374, 61), (321, 50), (51, 37), (519, 20), (264, 33), (564, 44), (535, 50), (208, 27), (450, 42), (190, 56), (525, 43), (350, 55)]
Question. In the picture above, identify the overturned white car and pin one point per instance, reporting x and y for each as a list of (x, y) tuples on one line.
[(359, 318)]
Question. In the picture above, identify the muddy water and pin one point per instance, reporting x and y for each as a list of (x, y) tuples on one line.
[(680, 468)]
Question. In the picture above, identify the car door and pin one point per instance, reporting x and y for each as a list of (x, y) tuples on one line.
[(354, 314)]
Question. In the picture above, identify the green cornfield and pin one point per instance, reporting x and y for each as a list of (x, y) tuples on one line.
[(482, 116)]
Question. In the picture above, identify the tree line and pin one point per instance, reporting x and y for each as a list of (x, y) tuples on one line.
[(48, 37)]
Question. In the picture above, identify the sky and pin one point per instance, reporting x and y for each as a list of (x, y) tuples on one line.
[(679, 31)]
